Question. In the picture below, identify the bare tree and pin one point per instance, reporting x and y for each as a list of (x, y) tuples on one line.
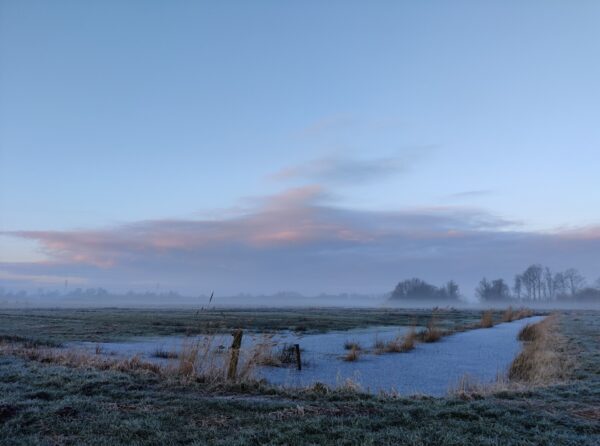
[(532, 281), (518, 287), (549, 291), (574, 281), (496, 290), (560, 284)]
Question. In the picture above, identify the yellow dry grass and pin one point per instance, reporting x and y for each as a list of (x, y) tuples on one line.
[(432, 333), (508, 315), (199, 360), (487, 319), (544, 358), (352, 355)]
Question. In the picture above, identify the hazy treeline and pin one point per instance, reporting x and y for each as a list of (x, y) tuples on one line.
[(417, 289), (536, 284), (539, 284)]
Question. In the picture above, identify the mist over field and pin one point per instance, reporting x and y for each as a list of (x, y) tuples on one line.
[(300, 223)]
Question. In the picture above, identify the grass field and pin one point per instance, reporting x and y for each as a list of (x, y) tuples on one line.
[(114, 324), (46, 403)]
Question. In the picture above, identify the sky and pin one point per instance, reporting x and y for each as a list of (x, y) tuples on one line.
[(309, 146)]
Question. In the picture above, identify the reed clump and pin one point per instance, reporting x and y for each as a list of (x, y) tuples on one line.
[(379, 345), (487, 320), (401, 344), (508, 315), (432, 333), (352, 355), (269, 355)]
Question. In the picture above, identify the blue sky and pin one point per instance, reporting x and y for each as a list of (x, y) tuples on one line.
[(116, 117)]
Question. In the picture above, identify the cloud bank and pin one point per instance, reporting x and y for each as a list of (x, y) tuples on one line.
[(297, 240)]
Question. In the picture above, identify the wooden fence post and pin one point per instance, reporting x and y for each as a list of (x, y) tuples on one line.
[(298, 359), (235, 354)]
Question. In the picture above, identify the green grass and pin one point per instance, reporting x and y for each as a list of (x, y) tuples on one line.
[(49, 404)]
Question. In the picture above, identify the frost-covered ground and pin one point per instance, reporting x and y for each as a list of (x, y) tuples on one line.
[(47, 403)]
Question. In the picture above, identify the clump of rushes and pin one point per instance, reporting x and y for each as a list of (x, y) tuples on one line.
[(378, 346), (508, 315), (487, 320), (408, 341), (269, 356), (350, 345), (352, 355), (432, 333), (400, 344)]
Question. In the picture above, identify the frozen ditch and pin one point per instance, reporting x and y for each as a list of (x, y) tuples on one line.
[(429, 369)]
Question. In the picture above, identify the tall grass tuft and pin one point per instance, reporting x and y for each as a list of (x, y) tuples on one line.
[(487, 320), (270, 354), (432, 333), (508, 315), (352, 355)]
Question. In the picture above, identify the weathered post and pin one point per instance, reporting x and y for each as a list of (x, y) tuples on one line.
[(235, 354), (298, 359)]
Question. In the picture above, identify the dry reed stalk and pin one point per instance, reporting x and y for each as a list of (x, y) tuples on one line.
[(523, 313), (352, 355), (508, 315), (487, 320), (432, 333)]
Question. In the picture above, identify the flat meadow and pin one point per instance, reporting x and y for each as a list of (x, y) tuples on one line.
[(54, 392)]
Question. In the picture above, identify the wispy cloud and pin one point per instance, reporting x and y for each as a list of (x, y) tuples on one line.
[(348, 170)]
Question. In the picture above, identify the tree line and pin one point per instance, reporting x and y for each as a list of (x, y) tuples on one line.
[(537, 283)]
